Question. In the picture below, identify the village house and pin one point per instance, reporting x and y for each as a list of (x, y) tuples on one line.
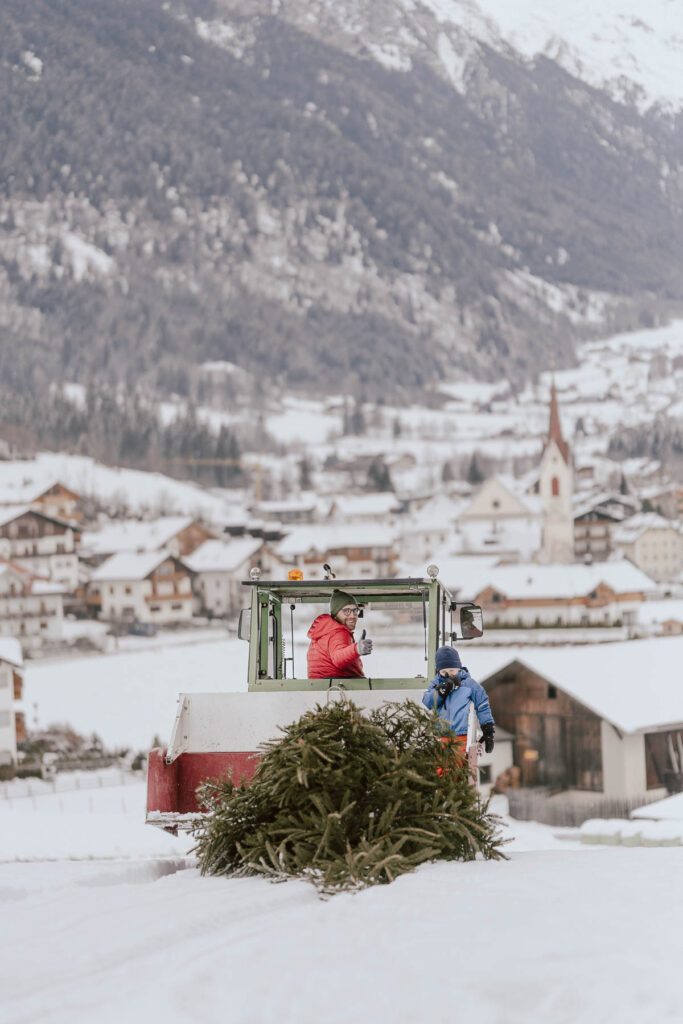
[(218, 568), (427, 529), (154, 587), (31, 609), (41, 544), (288, 511), (12, 726), (177, 535), (353, 551), (652, 543), (23, 483), (380, 508), (602, 594), (595, 519), (586, 723)]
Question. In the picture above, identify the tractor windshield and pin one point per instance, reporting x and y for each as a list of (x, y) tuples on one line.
[(405, 619)]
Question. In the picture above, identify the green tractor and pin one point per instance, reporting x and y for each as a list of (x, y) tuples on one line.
[(217, 733)]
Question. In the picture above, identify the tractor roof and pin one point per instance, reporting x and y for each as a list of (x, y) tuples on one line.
[(310, 590)]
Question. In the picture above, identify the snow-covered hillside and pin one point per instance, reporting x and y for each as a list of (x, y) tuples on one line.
[(627, 45), (632, 49)]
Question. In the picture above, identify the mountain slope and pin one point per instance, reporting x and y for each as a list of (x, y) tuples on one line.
[(282, 186)]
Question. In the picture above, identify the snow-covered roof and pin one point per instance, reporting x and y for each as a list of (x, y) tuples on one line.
[(381, 503), (440, 513), (510, 538), (286, 505), (463, 575), (10, 651), (8, 513), (133, 536), (323, 538), (636, 526), (128, 566), (526, 581), (636, 685), (222, 556), (23, 481), (46, 587)]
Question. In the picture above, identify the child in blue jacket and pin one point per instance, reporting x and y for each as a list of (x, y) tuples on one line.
[(450, 694)]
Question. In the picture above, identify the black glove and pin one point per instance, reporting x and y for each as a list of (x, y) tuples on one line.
[(488, 731), (444, 686)]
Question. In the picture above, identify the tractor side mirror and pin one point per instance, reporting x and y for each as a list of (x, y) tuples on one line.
[(470, 622), (244, 624)]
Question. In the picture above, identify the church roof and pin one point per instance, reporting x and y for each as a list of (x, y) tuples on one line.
[(555, 427)]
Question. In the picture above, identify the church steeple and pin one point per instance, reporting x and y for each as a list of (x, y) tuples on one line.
[(555, 427)]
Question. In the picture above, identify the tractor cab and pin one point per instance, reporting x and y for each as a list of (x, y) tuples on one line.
[(278, 608), (219, 733)]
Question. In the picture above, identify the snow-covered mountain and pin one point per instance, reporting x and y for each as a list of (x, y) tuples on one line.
[(388, 192), (631, 48)]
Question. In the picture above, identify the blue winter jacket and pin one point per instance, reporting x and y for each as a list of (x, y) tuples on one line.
[(455, 708)]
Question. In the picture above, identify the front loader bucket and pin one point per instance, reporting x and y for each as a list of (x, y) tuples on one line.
[(172, 787), (220, 734)]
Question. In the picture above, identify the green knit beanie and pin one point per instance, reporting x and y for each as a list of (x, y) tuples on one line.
[(339, 600)]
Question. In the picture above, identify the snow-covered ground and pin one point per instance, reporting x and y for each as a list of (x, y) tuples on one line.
[(109, 920), (561, 932)]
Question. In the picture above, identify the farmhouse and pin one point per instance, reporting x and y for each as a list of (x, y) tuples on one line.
[(41, 544), (153, 587), (353, 550), (604, 594), (218, 568), (652, 543), (605, 720), (30, 609)]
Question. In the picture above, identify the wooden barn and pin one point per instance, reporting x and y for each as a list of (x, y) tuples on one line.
[(604, 719)]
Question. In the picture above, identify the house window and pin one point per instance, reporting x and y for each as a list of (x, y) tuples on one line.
[(555, 485), (128, 590), (155, 607), (485, 774), (176, 607), (552, 691)]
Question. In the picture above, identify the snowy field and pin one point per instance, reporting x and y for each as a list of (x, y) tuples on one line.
[(109, 919), (560, 932), (128, 698)]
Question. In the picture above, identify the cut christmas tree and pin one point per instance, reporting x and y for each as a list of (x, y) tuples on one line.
[(348, 800)]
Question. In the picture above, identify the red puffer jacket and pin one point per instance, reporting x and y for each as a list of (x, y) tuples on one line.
[(333, 652)]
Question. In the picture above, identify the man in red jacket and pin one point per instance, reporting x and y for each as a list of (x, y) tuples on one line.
[(333, 652)]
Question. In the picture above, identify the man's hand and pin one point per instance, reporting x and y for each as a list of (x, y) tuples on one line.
[(488, 731), (364, 647)]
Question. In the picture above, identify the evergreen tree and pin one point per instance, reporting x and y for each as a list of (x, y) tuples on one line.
[(475, 473), (305, 481), (348, 800), (379, 477)]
